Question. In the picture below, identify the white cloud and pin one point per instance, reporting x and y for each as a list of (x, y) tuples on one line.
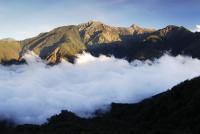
[(32, 93), (198, 28)]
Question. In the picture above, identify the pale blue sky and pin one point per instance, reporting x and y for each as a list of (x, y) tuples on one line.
[(21, 19)]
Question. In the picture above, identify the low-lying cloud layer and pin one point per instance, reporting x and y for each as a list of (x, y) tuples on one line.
[(198, 28), (32, 93)]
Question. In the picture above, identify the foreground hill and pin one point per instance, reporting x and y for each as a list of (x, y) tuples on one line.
[(173, 112), (97, 38)]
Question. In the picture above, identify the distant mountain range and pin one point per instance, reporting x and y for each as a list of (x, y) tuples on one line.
[(98, 38)]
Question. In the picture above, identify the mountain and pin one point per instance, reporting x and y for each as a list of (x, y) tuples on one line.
[(175, 111), (9, 51), (95, 32), (97, 38), (193, 48), (151, 45), (63, 42)]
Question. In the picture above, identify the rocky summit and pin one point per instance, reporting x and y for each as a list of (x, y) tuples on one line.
[(97, 38), (95, 32)]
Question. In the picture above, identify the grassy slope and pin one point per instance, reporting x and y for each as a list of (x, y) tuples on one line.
[(62, 42), (9, 50)]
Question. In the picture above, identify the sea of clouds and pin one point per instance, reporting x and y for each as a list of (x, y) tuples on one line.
[(32, 93)]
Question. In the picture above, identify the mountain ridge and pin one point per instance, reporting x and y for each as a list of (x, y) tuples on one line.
[(97, 38)]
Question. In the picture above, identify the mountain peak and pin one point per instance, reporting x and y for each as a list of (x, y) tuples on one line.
[(134, 26), (173, 29), (93, 23)]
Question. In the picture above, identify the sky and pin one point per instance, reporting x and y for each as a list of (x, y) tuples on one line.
[(22, 19)]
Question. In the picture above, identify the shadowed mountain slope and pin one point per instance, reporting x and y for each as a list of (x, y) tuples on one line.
[(174, 39), (63, 42), (98, 38)]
